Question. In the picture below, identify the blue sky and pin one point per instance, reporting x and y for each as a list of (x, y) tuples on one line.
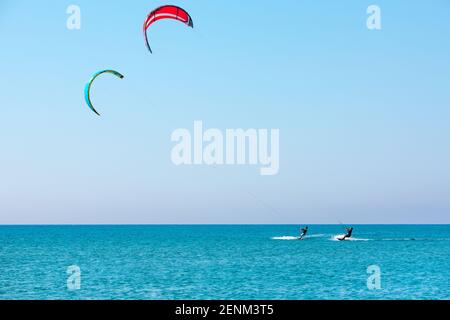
[(363, 115)]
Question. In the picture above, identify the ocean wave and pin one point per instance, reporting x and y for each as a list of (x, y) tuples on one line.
[(416, 239), (285, 238), (320, 235), (340, 236)]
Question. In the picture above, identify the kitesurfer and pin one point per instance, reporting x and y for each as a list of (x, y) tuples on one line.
[(303, 232), (348, 234)]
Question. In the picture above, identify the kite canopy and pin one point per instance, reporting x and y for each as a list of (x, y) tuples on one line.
[(87, 90), (166, 12)]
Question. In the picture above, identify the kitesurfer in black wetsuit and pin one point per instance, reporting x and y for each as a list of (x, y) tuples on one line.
[(348, 234), (303, 232)]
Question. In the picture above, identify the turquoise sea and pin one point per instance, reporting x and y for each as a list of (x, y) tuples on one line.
[(224, 262)]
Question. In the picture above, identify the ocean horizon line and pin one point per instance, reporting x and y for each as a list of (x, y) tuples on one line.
[(219, 224)]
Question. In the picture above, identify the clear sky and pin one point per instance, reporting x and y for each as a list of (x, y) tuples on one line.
[(364, 116)]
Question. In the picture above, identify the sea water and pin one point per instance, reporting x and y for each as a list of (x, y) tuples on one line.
[(224, 262)]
